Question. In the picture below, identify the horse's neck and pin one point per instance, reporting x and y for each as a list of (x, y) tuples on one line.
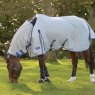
[(21, 39)]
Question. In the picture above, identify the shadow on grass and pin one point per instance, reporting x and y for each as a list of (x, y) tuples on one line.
[(54, 62), (22, 87), (46, 89), (50, 89)]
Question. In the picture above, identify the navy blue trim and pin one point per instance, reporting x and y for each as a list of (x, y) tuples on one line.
[(64, 42), (22, 52), (29, 42), (51, 45), (18, 55), (33, 21), (41, 41), (89, 32)]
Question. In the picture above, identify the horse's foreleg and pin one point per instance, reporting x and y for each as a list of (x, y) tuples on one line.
[(89, 60), (43, 70), (74, 68), (46, 71), (41, 65)]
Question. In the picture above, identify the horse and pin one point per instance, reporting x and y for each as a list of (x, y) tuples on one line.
[(40, 34)]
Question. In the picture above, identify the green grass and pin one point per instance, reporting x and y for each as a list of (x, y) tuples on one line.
[(60, 72)]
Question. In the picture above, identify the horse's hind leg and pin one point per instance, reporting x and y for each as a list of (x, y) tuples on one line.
[(74, 68), (89, 60), (43, 70)]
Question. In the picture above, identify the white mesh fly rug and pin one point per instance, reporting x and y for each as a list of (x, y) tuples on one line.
[(68, 32)]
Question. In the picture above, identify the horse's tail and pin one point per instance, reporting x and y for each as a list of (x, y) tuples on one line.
[(92, 63)]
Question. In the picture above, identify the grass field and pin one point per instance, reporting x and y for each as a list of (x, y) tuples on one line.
[(60, 72)]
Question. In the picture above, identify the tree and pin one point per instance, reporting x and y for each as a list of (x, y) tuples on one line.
[(12, 14)]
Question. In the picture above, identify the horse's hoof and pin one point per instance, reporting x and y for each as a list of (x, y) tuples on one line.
[(47, 80), (72, 79), (41, 81), (92, 78)]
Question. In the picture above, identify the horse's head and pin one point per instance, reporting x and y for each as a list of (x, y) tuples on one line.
[(14, 68)]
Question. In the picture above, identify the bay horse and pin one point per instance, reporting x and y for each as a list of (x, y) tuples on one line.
[(42, 33)]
